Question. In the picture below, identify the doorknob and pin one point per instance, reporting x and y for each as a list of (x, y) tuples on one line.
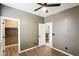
[(53, 34)]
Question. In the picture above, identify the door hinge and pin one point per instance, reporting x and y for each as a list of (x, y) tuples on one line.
[(3, 37), (3, 22), (3, 50)]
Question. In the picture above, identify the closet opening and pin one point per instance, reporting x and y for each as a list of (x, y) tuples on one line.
[(11, 37)]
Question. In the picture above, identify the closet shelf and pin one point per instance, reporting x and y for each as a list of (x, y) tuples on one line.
[(11, 28)]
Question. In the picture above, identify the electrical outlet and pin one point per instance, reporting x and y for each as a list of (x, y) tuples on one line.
[(66, 48)]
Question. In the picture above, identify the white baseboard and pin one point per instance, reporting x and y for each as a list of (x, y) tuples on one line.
[(50, 47), (11, 45), (28, 49), (62, 51)]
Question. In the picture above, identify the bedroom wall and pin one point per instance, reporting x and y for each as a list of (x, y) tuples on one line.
[(66, 29), (29, 25)]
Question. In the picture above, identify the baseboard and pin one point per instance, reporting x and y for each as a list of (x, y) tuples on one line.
[(11, 45), (50, 47), (62, 51), (28, 49)]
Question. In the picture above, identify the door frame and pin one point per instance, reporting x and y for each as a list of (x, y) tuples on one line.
[(44, 31), (3, 41)]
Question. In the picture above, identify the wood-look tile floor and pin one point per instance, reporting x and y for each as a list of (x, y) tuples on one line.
[(39, 51), (11, 51), (42, 51)]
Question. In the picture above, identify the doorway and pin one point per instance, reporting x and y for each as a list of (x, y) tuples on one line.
[(45, 34), (10, 36), (48, 34)]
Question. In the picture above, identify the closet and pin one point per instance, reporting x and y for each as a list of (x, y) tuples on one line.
[(11, 37), (11, 32)]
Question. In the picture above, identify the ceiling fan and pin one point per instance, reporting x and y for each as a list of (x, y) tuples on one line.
[(45, 5)]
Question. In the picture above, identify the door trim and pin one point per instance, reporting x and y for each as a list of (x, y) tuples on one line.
[(3, 18), (51, 32)]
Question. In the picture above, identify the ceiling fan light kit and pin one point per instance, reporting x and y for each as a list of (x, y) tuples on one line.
[(44, 8)]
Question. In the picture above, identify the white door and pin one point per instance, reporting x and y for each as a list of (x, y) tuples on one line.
[(41, 34), (48, 28)]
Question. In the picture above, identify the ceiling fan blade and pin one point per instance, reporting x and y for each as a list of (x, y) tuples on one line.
[(50, 5), (37, 8), (40, 3)]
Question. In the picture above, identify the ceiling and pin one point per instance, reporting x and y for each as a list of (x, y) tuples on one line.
[(29, 7)]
